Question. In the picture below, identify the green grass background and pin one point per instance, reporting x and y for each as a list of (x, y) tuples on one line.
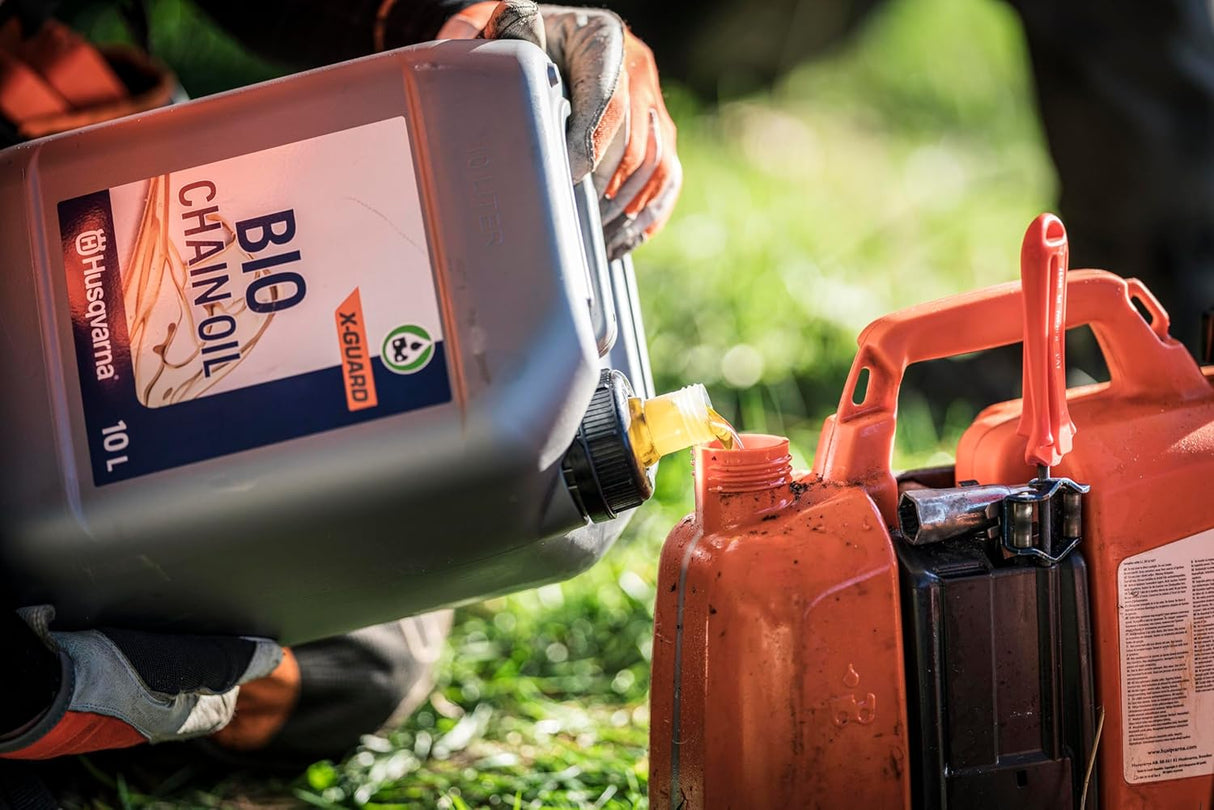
[(902, 167)]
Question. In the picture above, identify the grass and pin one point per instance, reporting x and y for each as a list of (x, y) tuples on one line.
[(902, 168)]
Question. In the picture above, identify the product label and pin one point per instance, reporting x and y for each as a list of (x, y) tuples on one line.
[(252, 300), (1166, 605)]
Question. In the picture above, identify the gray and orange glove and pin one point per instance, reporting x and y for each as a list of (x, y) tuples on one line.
[(75, 692), (52, 80), (619, 128)]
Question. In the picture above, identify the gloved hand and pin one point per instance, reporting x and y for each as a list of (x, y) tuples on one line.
[(52, 80), (619, 128), (74, 692)]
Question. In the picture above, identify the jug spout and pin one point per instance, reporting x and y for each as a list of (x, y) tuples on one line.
[(744, 484)]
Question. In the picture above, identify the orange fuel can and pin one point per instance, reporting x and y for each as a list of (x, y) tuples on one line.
[(815, 648), (1145, 445), (777, 659)]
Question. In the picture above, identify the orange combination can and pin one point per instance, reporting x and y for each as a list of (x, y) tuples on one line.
[(1034, 628)]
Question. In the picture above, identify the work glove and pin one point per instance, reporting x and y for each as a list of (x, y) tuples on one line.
[(75, 692), (52, 80), (619, 129), (327, 694)]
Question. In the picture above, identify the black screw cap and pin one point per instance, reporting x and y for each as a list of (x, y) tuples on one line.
[(601, 470)]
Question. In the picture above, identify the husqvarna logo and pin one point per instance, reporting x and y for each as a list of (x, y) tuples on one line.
[(90, 243)]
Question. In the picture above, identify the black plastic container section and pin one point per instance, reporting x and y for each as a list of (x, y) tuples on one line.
[(999, 671)]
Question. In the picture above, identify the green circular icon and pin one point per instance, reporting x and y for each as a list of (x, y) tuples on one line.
[(407, 349)]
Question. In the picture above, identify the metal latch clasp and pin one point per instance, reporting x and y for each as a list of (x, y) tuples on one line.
[(1042, 520)]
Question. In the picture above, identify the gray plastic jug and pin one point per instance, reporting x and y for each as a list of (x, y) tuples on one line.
[(313, 354)]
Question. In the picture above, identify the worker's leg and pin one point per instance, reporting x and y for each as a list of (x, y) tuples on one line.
[(1126, 91), (329, 693), (21, 788)]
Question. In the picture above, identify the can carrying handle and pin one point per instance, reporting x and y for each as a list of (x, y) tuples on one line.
[(1143, 360)]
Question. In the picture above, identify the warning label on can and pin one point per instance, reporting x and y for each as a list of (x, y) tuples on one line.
[(1166, 606)]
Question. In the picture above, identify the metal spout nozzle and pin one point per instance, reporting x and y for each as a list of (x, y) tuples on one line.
[(1042, 519), (932, 515)]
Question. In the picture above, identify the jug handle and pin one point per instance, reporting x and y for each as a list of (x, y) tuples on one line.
[(857, 442)]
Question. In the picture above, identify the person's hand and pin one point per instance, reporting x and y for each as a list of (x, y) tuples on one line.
[(619, 128), (74, 692), (52, 80)]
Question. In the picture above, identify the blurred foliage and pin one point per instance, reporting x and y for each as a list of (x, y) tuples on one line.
[(204, 59), (901, 169)]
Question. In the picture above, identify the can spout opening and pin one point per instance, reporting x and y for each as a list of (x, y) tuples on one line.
[(908, 517), (761, 462)]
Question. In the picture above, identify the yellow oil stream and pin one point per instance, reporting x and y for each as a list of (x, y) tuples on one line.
[(724, 431), (675, 421)]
